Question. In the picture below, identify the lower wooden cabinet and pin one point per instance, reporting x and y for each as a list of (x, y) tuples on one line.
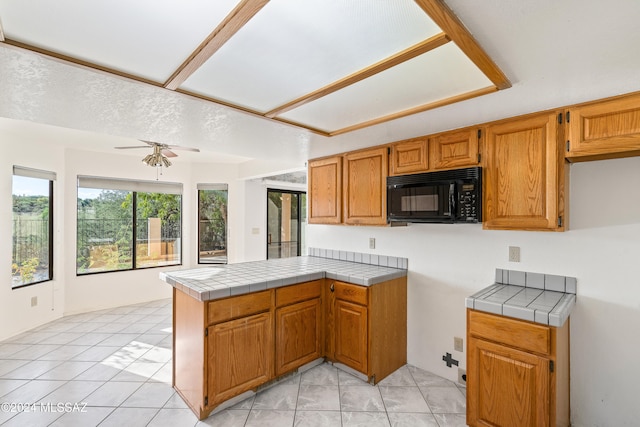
[(366, 327), (240, 356), (223, 348), (351, 335), (517, 372), (298, 326)]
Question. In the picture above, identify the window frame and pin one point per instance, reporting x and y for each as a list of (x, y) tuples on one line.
[(210, 187), (134, 187), (51, 177)]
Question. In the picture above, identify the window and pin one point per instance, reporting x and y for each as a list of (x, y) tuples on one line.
[(286, 220), (125, 225), (32, 229), (212, 223)]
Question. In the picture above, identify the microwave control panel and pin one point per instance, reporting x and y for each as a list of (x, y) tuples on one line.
[(468, 203)]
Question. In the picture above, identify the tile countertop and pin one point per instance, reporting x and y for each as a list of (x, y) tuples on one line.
[(540, 298), (222, 281)]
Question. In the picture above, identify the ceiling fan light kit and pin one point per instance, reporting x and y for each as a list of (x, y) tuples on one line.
[(157, 158)]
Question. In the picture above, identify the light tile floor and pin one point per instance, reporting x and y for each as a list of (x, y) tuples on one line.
[(113, 368)]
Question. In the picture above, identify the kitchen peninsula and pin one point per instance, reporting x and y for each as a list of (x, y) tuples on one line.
[(240, 327)]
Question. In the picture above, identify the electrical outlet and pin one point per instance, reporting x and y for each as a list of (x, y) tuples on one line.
[(372, 242), (514, 253), (457, 343), (34, 301), (462, 376)]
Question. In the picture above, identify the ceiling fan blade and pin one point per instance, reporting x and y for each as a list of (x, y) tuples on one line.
[(169, 153), (179, 147), (126, 148)]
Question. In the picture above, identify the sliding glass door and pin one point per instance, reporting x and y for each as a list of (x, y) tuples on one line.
[(286, 221)]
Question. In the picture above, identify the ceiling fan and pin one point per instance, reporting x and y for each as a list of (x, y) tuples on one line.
[(160, 153)]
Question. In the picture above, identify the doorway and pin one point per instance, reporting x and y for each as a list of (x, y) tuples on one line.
[(286, 222)]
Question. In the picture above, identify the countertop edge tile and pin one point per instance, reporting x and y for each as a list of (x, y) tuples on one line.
[(488, 306), (551, 307), (210, 283)]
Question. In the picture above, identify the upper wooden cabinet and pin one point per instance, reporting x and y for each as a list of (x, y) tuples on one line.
[(605, 129), (454, 149), (525, 176), (365, 187), (447, 150), (410, 156), (524, 180), (325, 191)]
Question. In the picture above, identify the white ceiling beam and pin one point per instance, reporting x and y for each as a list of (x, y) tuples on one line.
[(236, 19)]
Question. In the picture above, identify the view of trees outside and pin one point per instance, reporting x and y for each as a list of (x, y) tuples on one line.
[(212, 217), (106, 230), (30, 231), (286, 223)]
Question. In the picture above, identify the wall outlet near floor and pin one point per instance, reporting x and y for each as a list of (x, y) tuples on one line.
[(514, 253), (462, 376), (457, 344), (372, 242), (34, 301)]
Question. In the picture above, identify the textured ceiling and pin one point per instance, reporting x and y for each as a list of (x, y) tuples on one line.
[(330, 66), (554, 53)]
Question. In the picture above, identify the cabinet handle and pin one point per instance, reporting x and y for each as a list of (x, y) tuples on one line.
[(332, 287)]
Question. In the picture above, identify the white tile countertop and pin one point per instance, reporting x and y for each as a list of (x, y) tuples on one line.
[(540, 298), (222, 281)]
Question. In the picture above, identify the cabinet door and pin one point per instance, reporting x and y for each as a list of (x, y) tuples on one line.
[(297, 335), (325, 191), (524, 175), (240, 356), (365, 187), (605, 129), (506, 387), (409, 157), (351, 335), (454, 149)]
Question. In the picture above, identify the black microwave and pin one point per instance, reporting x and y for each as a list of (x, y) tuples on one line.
[(444, 196)]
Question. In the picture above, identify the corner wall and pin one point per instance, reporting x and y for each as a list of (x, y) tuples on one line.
[(601, 249), (68, 293), (16, 312)]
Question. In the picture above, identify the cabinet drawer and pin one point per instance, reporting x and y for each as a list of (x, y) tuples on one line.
[(515, 333), (353, 293), (244, 305), (296, 293)]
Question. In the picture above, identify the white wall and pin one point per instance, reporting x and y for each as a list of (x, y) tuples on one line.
[(255, 220), (16, 313), (602, 249), (68, 293)]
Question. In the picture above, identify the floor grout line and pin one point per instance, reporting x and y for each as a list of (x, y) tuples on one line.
[(130, 347)]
